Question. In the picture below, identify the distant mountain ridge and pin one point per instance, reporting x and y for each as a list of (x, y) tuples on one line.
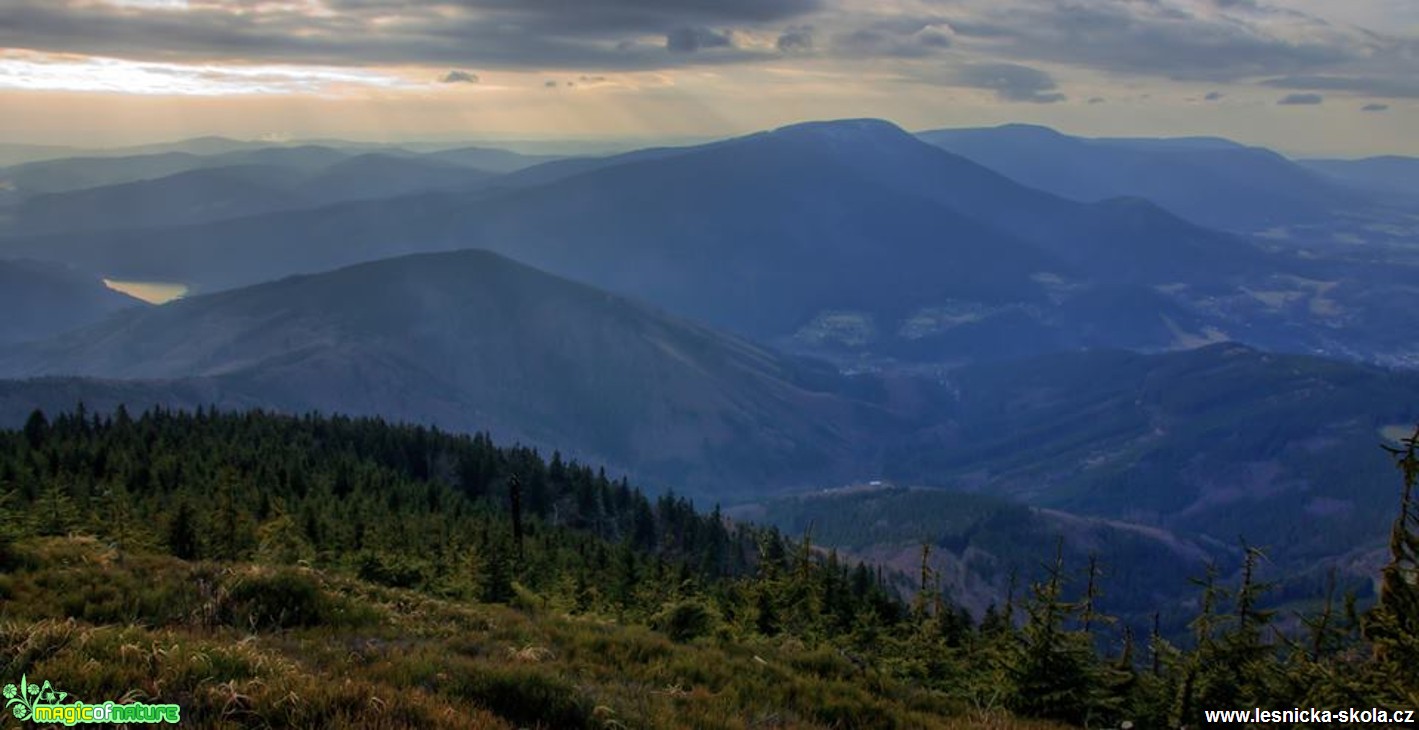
[(264, 181), (1390, 174), (1213, 182), (779, 236), (104, 194)]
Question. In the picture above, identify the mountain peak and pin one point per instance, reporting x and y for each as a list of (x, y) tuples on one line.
[(863, 125), (1034, 129), (842, 131)]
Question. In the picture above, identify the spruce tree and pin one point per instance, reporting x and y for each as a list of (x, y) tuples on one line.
[(1392, 626), (7, 530), (1054, 670), (181, 537), (495, 582), (55, 513), (36, 429)]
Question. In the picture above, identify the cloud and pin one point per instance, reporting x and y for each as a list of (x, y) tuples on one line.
[(893, 38), (1218, 41), (1390, 87), (1375, 108), (690, 40), (1010, 82), (27, 70), (638, 16), (459, 77), (504, 34), (1301, 100), (1097, 100), (796, 40), (1177, 39), (1213, 96)]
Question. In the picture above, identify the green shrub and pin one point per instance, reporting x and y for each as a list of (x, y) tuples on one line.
[(526, 697), (825, 662), (685, 620), (391, 572), (284, 599)]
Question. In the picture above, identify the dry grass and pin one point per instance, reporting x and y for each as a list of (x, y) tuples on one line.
[(248, 646)]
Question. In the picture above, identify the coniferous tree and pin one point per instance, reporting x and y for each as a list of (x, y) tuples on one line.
[(1054, 669), (514, 489), (766, 616), (496, 576), (181, 535), (281, 541), (55, 513), (412, 508), (8, 531), (36, 428), (1393, 624), (117, 517)]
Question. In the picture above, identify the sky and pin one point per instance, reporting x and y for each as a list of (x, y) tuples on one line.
[(1308, 77)]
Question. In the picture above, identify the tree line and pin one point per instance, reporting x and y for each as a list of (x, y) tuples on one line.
[(461, 517)]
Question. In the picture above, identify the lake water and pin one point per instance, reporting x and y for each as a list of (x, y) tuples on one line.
[(153, 292)]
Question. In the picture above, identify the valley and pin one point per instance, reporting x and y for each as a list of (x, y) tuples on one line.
[(915, 365)]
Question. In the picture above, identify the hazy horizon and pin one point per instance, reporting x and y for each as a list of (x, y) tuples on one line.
[(609, 143), (1303, 76)]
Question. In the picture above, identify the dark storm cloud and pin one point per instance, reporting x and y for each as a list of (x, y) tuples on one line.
[(1010, 82), (1193, 40), (459, 77), (525, 34), (1301, 100)]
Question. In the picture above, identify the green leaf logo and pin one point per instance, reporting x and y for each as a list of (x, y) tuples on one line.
[(21, 699)]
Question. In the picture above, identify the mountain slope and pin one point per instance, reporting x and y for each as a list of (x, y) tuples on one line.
[(79, 173), (1392, 175), (1206, 444), (190, 196), (231, 186), (40, 299), (1212, 182), (771, 235), (472, 341), (490, 159), (978, 541), (1219, 441)]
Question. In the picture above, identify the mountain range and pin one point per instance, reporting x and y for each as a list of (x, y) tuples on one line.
[(1390, 174), (103, 194), (848, 238), (823, 304), (1208, 442), (472, 341), (1210, 181)]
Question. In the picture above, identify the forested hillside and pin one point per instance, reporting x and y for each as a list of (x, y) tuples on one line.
[(266, 570)]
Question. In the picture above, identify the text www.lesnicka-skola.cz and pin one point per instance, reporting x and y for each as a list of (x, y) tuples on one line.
[(1351, 716)]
